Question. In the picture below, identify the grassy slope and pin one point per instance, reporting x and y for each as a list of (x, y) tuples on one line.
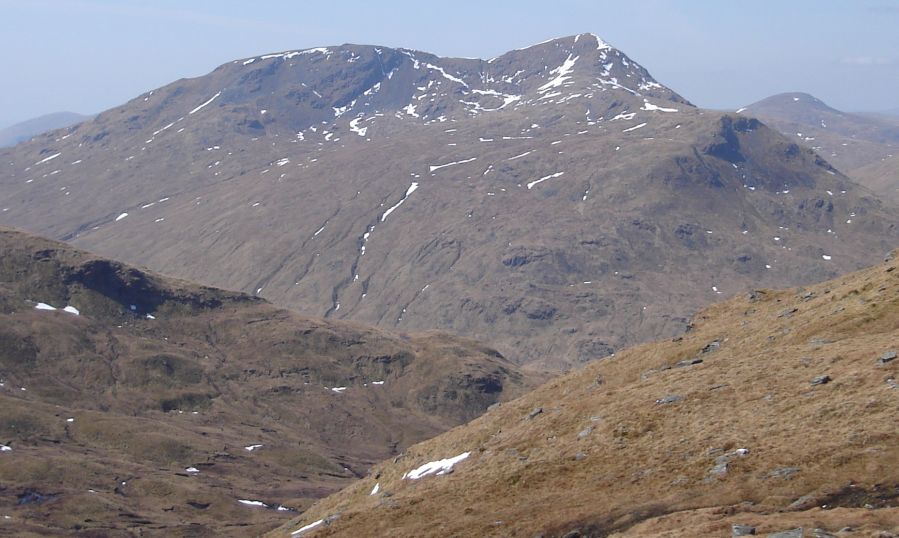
[(645, 468)]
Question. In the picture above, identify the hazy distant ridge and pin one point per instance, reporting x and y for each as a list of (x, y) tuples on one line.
[(25, 130)]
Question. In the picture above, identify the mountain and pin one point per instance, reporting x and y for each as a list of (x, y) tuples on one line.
[(848, 141), (134, 403), (777, 410), (556, 201), (862, 145), (20, 132)]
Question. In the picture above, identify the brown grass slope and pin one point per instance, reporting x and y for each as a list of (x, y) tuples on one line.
[(648, 205), (745, 438), (105, 411)]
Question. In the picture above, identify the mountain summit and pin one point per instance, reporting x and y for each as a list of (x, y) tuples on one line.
[(355, 83), (556, 200)]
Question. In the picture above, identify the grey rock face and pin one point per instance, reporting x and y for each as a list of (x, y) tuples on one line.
[(671, 398), (785, 473), (792, 533), (722, 461), (804, 503), (742, 530)]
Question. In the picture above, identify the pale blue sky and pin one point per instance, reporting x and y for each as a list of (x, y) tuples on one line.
[(90, 55)]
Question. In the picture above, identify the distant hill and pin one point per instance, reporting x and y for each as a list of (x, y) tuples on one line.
[(132, 402), (26, 130), (848, 141), (776, 411), (556, 201), (862, 145)]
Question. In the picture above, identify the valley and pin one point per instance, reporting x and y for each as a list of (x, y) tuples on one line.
[(136, 403)]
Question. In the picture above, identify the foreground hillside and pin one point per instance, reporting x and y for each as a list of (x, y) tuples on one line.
[(556, 201), (152, 406), (776, 410)]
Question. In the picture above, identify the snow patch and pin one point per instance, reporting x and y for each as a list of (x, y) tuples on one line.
[(634, 128), (354, 127), (650, 107), (409, 191), (542, 179), (624, 116), (410, 110), (562, 74), (68, 309), (445, 75), (438, 467), (50, 158), (211, 99), (433, 167), (307, 528)]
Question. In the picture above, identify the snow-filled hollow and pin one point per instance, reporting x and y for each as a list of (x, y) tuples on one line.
[(412, 188), (562, 74)]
